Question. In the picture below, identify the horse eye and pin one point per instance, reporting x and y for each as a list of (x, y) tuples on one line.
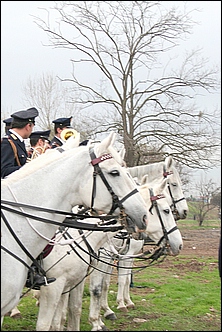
[(115, 173), (174, 184), (167, 211)]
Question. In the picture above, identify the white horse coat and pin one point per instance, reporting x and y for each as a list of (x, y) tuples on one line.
[(99, 282), (50, 297), (165, 169), (70, 267), (57, 180)]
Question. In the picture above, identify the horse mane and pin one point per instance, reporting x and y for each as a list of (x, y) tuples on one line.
[(139, 171), (54, 156)]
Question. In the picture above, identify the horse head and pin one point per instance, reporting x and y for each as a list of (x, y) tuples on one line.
[(161, 228), (176, 196)]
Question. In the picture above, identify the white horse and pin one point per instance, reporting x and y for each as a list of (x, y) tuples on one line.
[(49, 296), (61, 180), (179, 208), (165, 169), (71, 265), (159, 222)]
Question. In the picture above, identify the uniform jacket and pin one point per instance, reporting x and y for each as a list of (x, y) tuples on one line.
[(8, 161), (55, 142)]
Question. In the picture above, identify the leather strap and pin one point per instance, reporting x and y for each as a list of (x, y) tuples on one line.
[(15, 151)]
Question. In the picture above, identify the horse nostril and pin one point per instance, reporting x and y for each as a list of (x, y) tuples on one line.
[(180, 247), (145, 219), (185, 212)]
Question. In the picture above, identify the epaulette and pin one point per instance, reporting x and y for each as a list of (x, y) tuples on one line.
[(13, 136)]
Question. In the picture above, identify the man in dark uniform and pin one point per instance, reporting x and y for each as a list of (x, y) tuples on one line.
[(59, 125), (13, 150), (39, 141), (14, 156), (8, 124)]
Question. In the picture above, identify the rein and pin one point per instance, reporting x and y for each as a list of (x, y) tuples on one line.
[(71, 218)]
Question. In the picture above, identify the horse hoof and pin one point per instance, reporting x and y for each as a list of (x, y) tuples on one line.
[(123, 309), (111, 316), (16, 316), (130, 306)]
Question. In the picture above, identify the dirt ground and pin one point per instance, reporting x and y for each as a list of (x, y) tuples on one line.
[(201, 242), (198, 243)]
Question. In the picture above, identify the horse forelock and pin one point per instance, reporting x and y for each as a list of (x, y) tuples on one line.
[(101, 150), (116, 155)]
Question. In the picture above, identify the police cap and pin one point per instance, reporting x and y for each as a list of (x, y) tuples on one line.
[(40, 134), (63, 122), (28, 115), (8, 121)]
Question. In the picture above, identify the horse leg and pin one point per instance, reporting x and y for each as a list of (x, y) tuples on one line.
[(108, 312), (99, 285), (36, 295), (15, 313), (75, 307), (126, 293), (48, 301), (65, 298), (96, 286), (124, 284), (60, 314)]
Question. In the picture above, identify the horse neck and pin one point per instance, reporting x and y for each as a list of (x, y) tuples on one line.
[(154, 171), (55, 186), (49, 188)]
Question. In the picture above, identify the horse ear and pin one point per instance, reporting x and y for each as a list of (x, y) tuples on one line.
[(104, 145), (163, 185), (168, 162), (122, 152), (113, 138), (145, 179)]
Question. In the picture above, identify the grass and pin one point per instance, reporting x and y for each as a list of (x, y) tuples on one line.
[(184, 295)]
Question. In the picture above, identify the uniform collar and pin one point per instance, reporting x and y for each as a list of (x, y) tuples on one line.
[(16, 134), (59, 139)]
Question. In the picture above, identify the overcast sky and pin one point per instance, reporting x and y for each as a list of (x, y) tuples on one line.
[(23, 54)]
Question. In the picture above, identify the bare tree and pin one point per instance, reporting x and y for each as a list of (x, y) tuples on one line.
[(126, 79), (216, 199), (205, 203), (51, 97)]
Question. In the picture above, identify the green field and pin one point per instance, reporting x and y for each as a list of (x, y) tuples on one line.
[(183, 294)]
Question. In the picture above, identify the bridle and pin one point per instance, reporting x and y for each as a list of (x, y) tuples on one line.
[(154, 199), (174, 202), (116, 203)]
